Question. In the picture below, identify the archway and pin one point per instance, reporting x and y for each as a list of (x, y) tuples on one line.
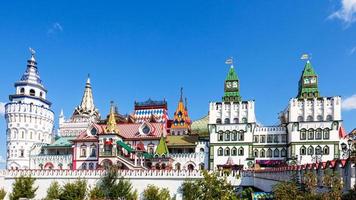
[(48, 165)]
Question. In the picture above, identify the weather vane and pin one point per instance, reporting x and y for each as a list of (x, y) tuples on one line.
[(32, 51), (306, 56), (229, 61)]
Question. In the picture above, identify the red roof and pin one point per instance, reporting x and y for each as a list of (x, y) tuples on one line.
[(85, 137)]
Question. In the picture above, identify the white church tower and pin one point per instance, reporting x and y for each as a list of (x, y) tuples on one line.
[(28, 116)]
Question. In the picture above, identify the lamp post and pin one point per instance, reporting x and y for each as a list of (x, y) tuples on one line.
[(318, 155)]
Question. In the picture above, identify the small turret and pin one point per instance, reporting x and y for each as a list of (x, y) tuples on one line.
[(111, 125)]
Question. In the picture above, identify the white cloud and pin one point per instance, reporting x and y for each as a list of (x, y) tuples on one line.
[(347, 12), (2, 108), (353, 50), (55, 28), (349, 103)]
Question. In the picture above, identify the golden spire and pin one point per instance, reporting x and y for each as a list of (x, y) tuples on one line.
[(111, 123)]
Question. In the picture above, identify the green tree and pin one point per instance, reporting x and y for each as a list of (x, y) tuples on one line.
[(96, 194), (23, 188), (190, 190), (154, 193), (74, 191), (54, 191), (310, 182), (114, 187), (2, 193), (210, 187), (246, 193), (286, 191), (332, 181)]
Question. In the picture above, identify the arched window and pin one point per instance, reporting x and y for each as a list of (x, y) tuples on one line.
[(201, 166), (255, 153), (311, 134), (41, 94), (178, 166), (91, 166), (262, 153), (276, 153), (295, 126), (22, 90), (227, 121), (234, 135), (236, 120), (318, 134), (302, 150), (32, 92), (284, 153), (83, 152), (310, 150), (300, 118), (241, 136), (220, 136), (234, 151), (326, 150), (244, 120), (241, 151), (335, 126), (318, 150), (303, 134), (320, 118), (93, 151), (84, 166), (227, 151), (201, 150), (227, 136), (326, 133), (218, 121), (220, 151), (269, 153), (329, 118), (310, 118)]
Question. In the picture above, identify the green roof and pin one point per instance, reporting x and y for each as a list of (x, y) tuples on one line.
[(308, 90), (231, 76), (62, 142), (308, 69), (162, 148), (200, 126), (181, 140), (125, 146)]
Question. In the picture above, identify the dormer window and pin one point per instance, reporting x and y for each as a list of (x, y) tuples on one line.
[(94, 131), (22, 91), (146, 129), (32, 92)]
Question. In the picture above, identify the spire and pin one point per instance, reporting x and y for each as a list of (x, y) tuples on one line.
[(181, 94), (308, 83), (111, 126), (162, 148), (31, 74), (232, 84), (181, 118), (87, 106)]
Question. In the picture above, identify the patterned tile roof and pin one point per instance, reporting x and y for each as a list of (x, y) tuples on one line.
[(85, 137), (62, 142), (200, 126), (132, 131)]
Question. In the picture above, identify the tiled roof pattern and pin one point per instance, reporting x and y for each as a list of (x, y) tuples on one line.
[(131, 131)]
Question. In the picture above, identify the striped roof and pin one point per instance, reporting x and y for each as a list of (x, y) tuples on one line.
[(132, 131)]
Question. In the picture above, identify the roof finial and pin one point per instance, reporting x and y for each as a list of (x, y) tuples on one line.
[(230, 61), (181, 94), (88, 79), (33, 52), (306, 56)]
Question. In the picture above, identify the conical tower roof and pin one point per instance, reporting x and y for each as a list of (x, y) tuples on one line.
[(111, 125), (162, 148), (87, 106), (308, 83)]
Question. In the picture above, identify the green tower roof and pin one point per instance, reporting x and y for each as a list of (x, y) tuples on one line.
[(231, 76), (232, 87), (162, 148), (308, 83)]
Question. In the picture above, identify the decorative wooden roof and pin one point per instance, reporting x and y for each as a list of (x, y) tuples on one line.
[(181, 118)]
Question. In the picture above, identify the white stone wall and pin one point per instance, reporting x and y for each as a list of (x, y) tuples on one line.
[(243, 112), (184, 159), (58, 161)]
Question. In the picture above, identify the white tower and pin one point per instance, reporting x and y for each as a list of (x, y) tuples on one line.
[(28, 116)]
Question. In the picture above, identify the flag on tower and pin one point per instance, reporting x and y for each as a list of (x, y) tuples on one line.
[(229, 61), (342, 132), (304, 56)]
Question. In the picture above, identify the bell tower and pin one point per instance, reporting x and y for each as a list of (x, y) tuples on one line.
[(232, 85), (308, 83), (28, 117)]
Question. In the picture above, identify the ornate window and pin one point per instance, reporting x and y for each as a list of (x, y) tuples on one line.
[(91, 166), (262, 153), (311, 134), (326, 150), (218, 121), (255, 138), (303, 134), (262, 138), (241, 151), (318, 150), (276, 139), (84, 166), (22, 90), (269, 153), (244, 120), (234, 151), (320, 118), (201, 150), (302, 150), (83, 152), (227, 121), (227, 151), (220, 151), (227, 136), (234, 135), (220, 136), (300, 118), (318, 134), (93, 151), (269, 138), (241, 136), (310, 150), (326, 133), (284, 138), (284, 153), (276, 153), (335, 125), (255, 153), (329, 118)]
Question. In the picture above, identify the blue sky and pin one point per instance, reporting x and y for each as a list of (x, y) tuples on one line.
[(135, 50)]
